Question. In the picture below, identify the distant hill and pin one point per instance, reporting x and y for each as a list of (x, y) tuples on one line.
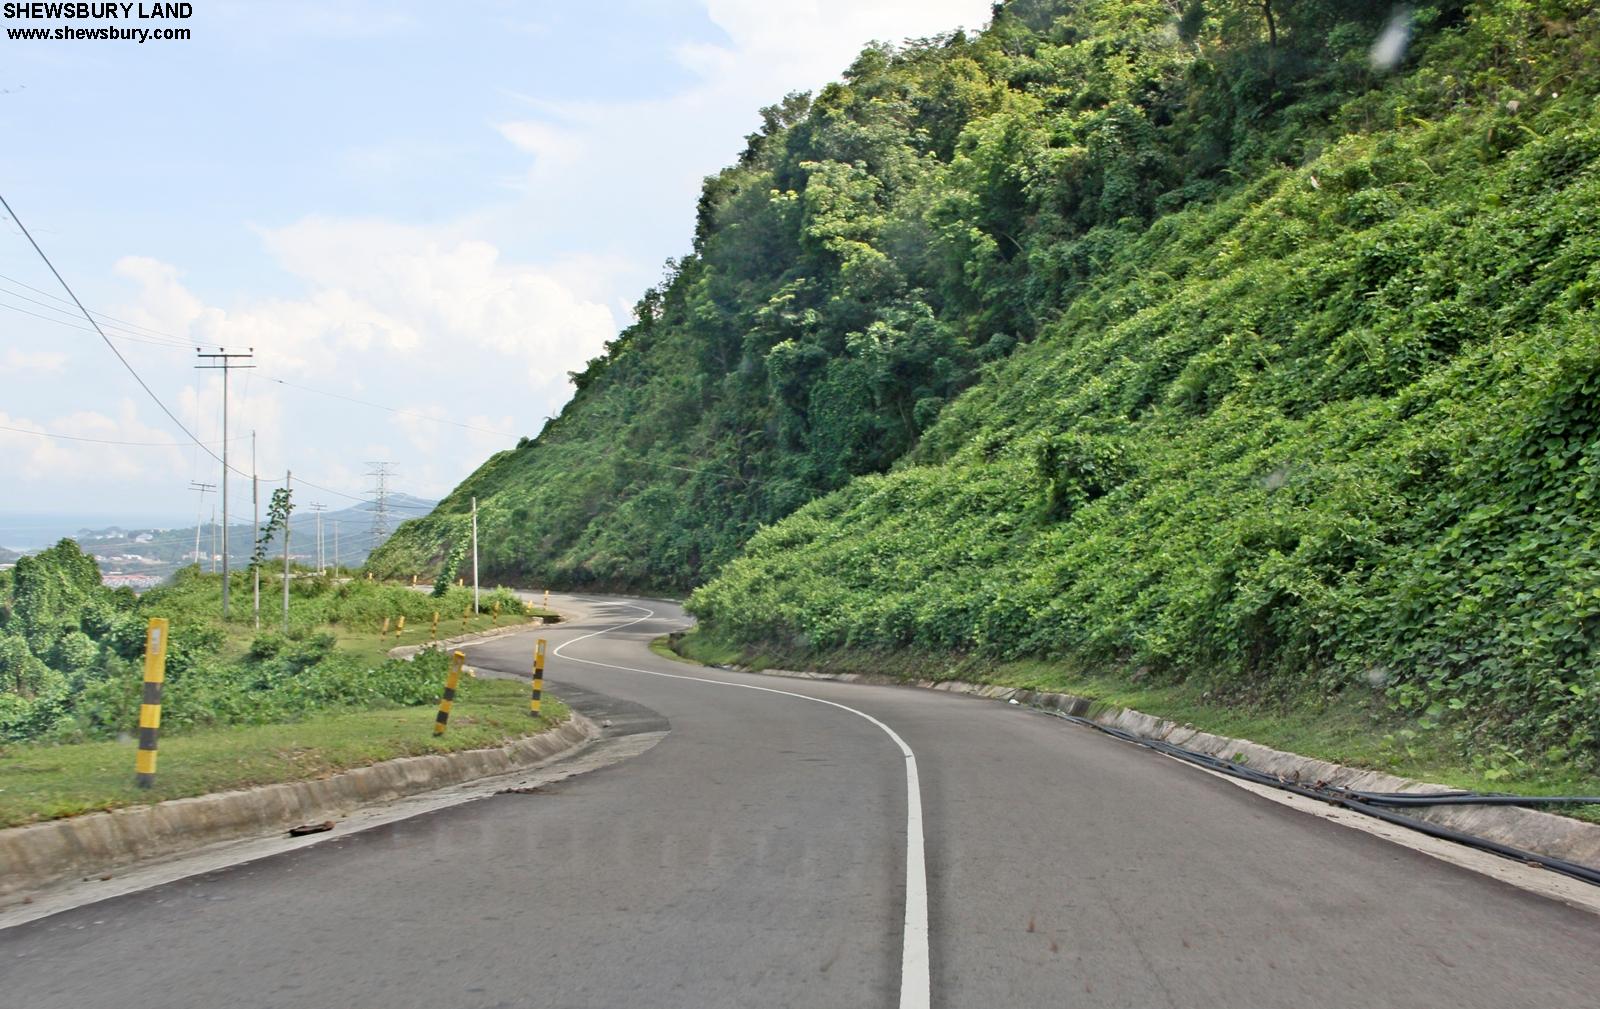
[(136, 551)]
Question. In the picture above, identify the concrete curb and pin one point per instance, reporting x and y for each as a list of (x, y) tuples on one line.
[(40, 854), (407, 651), (1529, 829)]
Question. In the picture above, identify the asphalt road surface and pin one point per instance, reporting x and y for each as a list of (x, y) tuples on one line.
[(758, 856)]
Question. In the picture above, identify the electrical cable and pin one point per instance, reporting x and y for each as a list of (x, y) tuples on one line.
[(89, 316), (113, 347), (389, 409), (122, 332), (81, 329), (123, 324), (107, 441), (1374, 804), (1472, 799)]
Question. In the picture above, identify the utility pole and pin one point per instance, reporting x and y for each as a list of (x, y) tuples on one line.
[(335, 548), (255, 530), (322, 565), (224, 362), (213, 539), (288, 475), (199, 510), (474, 555)]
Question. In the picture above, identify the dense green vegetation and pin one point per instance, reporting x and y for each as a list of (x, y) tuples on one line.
[(1174, 341), (71, 650)]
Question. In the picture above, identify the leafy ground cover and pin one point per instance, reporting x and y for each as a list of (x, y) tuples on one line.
[(1203, 347), (71, 650)]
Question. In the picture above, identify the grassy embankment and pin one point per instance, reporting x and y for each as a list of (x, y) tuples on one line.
[(45, 782)]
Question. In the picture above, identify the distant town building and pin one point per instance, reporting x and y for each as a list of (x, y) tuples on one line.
[(137, 582)]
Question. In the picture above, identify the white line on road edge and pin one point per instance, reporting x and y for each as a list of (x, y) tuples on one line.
[(915, 969)]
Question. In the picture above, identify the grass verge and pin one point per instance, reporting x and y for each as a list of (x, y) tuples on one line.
[(44, 782), (374, 646), (1354, 731)]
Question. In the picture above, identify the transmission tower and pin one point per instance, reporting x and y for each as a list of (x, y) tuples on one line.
[(380, 474)]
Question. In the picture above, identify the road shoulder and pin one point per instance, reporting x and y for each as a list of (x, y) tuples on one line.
[(1529, 829), (94, 846)]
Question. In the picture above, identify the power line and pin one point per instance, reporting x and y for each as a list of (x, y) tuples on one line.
[(123, 323), (111, 346), (135, 338), (330, 490), (105, 441), (382, 509), (389, 409), (81, 329)]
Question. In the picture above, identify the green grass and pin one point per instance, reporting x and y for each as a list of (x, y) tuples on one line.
[(44, 782), (373, 645), (1354, 731)]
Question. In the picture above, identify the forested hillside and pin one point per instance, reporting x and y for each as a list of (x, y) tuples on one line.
[(1247, 340)]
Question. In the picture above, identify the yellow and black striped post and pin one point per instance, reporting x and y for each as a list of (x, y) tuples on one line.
[(496, 618), (155, 674), (400, 626), (547, 599), (451, 681), (538, 679), (463, 621), (435, 636), (385, 632)]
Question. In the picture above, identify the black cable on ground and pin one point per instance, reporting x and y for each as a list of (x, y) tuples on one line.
[(1374, 804), (1472, 799)]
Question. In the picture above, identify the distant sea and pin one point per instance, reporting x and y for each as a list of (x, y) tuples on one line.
[(32, 530)]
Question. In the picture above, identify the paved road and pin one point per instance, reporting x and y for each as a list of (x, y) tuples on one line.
[(757, 857)]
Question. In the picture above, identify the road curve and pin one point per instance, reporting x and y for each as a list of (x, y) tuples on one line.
[(762, 855)]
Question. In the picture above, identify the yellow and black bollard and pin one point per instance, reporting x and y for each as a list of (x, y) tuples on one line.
[(538, 679), (547, 599), (385, 632), (435, 635), (496, 618), (451, 681), (155, 674), (400, 626), (463, 621)]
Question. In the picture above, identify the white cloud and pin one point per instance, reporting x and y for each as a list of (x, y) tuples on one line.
[(429, 322), (551, 145), (376, 287), (32, 457), (475, 319), (22, 362)]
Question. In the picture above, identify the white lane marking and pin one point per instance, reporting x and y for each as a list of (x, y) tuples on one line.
[(915, 963)]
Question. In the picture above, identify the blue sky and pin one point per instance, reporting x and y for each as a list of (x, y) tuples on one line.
[(441, 208)]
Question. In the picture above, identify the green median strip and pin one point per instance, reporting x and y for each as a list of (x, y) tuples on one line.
[(43, 781)]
